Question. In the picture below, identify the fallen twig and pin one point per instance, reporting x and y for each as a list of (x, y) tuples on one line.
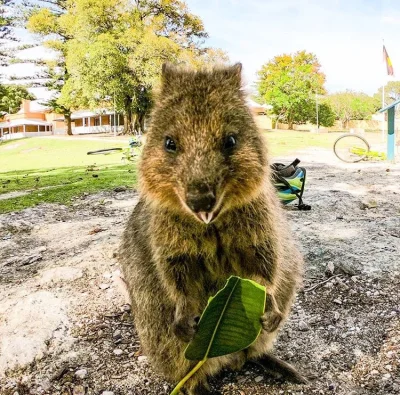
[(321, 283)]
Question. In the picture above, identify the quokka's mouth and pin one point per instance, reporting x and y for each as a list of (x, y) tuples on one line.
[(205, 217)]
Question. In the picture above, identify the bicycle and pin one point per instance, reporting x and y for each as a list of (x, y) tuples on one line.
[(352, 148), (130, 153)]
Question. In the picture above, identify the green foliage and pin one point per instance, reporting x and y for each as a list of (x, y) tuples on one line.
[(351, 105), (230, 322), (44, 18), (110, 52), (326, 116), (117, 49), (289, 82), (6, 23), (11, 97), (5, 19), (392, 93)]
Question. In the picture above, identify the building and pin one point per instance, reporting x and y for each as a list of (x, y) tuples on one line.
[(87, 122), (32, 119)]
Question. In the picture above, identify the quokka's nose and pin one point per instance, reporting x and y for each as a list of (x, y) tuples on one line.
[(201, 202)]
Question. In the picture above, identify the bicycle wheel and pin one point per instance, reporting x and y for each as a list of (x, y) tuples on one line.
[(105, 151), (351, 148)]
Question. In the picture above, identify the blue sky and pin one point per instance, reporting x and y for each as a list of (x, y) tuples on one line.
[(346, 36)]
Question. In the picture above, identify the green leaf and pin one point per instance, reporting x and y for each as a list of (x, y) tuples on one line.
[(231, 320)]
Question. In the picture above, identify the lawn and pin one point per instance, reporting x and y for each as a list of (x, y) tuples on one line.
[(289, 142), (56, 170), (55, 152)]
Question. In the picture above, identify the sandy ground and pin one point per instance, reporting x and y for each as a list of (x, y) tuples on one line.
[(65, 327)]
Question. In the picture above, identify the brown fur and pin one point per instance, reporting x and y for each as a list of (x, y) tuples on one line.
[(173, 262)]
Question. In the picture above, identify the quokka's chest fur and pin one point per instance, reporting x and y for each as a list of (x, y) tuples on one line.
[(237, 246)]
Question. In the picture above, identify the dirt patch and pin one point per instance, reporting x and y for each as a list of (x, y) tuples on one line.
[(344, 329)]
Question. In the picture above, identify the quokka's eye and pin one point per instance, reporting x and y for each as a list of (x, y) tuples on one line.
[(170, 145), (229, 143)]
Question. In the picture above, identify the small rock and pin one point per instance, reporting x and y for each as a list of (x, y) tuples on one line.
[(120, 189), (95, 230), (368, 204), (258, 379), (346, 269), (303, 326), (78, 390), (117, 334), (118, 351), (374, 372), (337, 301), (81, 373), (142, 358), (104, 286), (107, 393), (330, 268), (331, 387), (42, 249), (336, 316), (126, 308)]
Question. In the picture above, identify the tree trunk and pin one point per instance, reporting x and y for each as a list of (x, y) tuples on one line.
[(68, 121), (128, 121)]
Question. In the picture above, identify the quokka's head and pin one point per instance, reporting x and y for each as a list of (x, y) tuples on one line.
[(203, 154)]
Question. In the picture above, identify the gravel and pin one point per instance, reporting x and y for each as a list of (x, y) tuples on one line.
[(343, 332)]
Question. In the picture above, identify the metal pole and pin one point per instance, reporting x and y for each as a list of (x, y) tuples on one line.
[(383, 106), (383, 95), (391, 134)]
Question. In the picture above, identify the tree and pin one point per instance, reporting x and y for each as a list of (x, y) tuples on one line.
[(351, 105), (289, 83), (45, 19), (118, 49), (11, 97), (6, 22), (392, 92), (326, 116)]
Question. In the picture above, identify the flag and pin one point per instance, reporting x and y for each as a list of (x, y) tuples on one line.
[(389, 65)]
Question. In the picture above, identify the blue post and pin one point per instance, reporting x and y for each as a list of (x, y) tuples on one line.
[(391, 139)]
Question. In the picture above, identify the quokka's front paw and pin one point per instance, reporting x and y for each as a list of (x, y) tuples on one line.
[(185, 328), (271, 320)]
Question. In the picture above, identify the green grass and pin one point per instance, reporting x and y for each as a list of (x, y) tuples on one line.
[(45, 153), (285, 142), (62, 184), (55, 170)]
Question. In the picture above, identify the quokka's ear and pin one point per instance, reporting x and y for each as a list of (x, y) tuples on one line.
[(168, 73), (234, 74)]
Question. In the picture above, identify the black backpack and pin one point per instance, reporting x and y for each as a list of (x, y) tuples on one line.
[(290, 180)]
